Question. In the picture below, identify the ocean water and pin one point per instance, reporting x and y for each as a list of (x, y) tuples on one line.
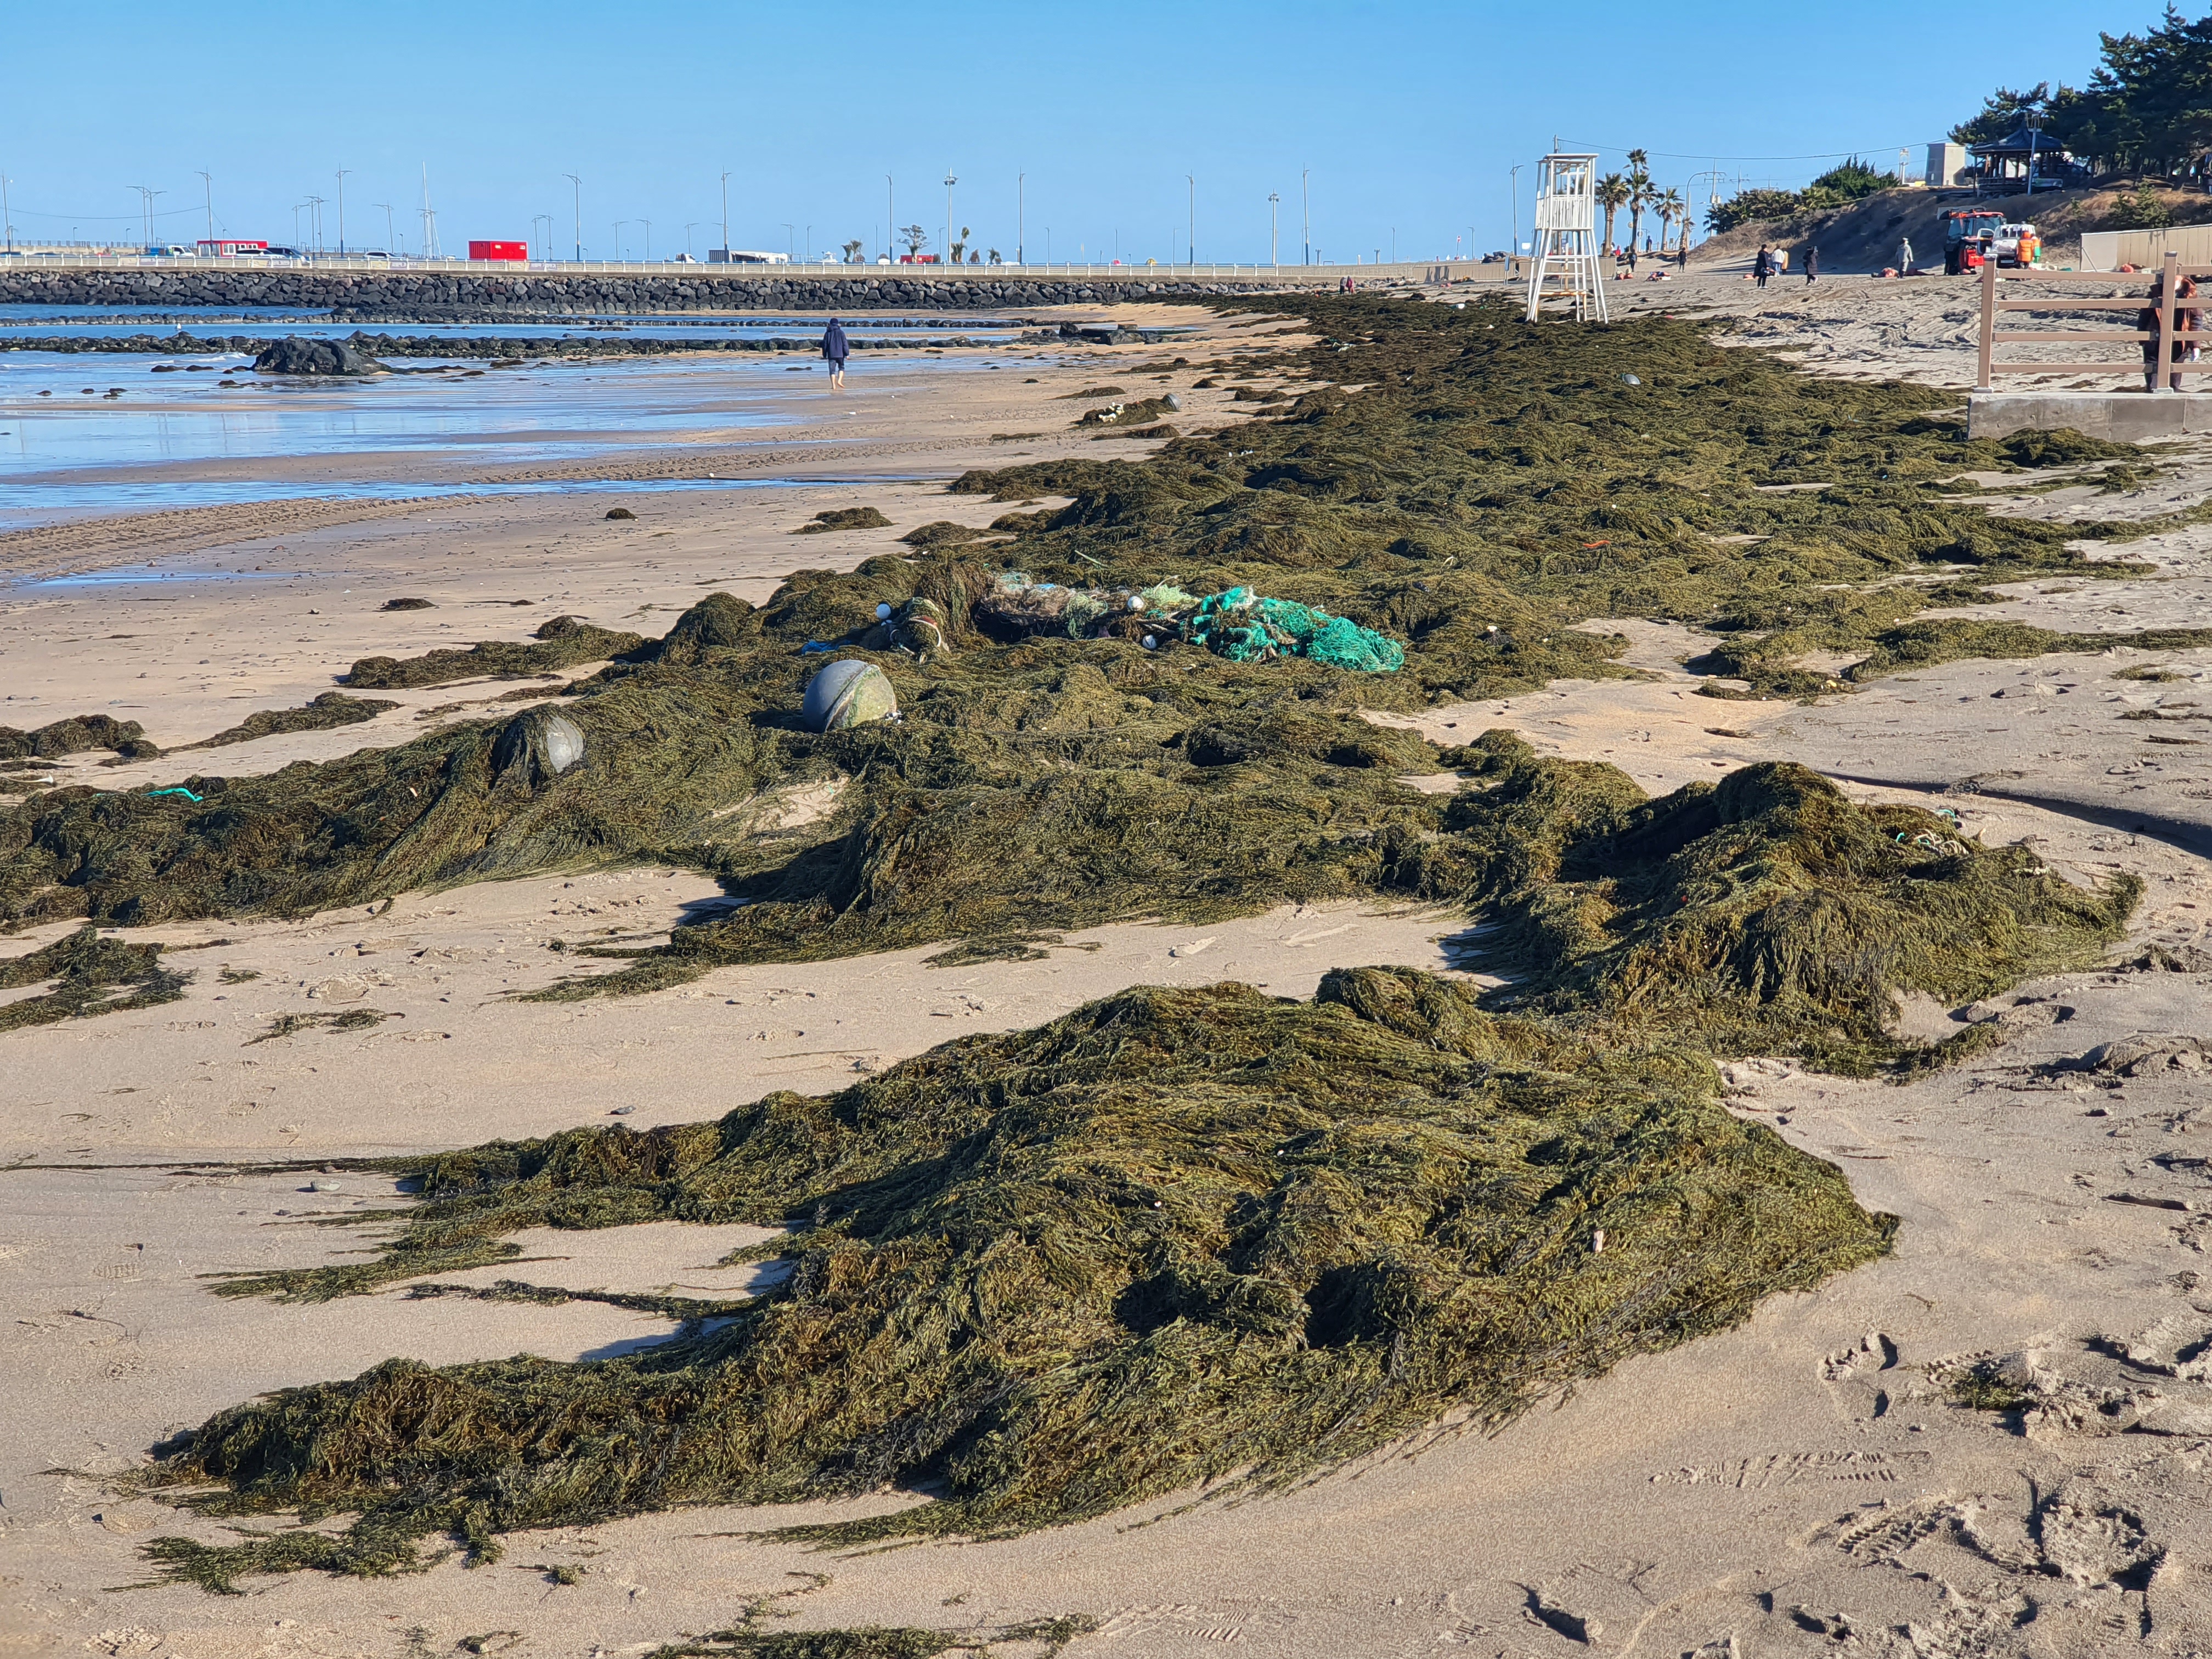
[(184, 439)]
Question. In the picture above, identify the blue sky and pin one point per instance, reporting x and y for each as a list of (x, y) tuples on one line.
[(1407, 115)]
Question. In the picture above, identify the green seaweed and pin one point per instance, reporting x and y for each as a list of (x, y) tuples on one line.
[(91, 975), (321, 713), (562, 642)]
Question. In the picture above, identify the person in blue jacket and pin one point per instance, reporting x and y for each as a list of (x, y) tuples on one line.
[(836, 349)]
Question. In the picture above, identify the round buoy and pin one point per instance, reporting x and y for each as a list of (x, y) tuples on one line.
[(848, 692), (1150, 644), (547, 743), (883, 613)]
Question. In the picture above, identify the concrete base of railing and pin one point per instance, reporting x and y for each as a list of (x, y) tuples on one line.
[(2120, 417)]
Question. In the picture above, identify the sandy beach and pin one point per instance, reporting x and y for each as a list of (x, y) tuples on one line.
[(1806, 1482)]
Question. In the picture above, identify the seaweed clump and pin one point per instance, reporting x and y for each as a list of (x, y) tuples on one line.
[(844, 518), (321, 713), (127, 739), (89, 975), (562, 642), (1173, 1236), (1188, 1238)]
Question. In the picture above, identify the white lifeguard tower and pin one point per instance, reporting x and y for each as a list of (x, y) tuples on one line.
[(1567, 253)]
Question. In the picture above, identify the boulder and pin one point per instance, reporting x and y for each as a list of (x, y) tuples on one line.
[(292, 355)]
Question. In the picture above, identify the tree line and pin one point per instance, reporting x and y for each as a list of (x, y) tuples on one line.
[(2146, 110), (1636, 192)]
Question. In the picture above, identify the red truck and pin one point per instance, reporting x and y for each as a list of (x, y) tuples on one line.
[(1967, 233), (517, 251)]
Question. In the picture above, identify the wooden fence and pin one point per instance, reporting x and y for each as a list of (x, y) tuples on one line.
[(2172, 271)]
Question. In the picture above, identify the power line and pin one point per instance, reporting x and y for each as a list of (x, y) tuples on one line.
[(1707, 156)]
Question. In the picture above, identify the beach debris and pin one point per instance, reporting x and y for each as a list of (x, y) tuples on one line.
[(620, 512), (1243, 627), (406, 605), (543, 743), (176, 789), (849, 693)]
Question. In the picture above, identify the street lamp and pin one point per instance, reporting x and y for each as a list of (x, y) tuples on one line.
[(1305, 208), (392, 246), (1192, 246), (725, 217), (619, 223), (1275, 208), (315, 219), (949, 182), (579, 184), (545, 248), (1513, 242), (786, 242), (208, 183), (341, 176), (891, 219), (7, 213), (647, 223), (1021, 216), (689, 225)]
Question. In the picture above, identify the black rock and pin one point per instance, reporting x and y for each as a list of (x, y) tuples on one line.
[(292, 355)]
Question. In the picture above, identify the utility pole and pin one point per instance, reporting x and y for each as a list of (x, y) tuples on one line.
[(1274, 209), (725, 217), (1513, 243), (209, 184), (342, 173), (690, 226), (949, 182), (619, 223), (810, 244), (1191, 247), (7, 213), (786, 242), (429, 218), (891, 219), (647, 223), (579, 184), (1021, 216), (1305, 208)]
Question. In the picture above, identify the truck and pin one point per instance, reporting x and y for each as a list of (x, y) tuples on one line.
[(516, 250), (1965, 234)]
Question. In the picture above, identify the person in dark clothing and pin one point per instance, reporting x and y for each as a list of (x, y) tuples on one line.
[(2186, 317), (1762, 266), (836, 349), (1812, 263)]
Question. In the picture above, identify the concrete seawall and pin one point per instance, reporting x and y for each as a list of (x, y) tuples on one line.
[(419, 293)]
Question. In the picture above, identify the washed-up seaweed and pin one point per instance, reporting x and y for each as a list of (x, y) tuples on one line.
[(1184, 1238), (127, 739), (88, 974), (321, 713), (562, 642)]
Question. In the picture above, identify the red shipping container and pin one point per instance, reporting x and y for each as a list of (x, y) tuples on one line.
[(499, 250)]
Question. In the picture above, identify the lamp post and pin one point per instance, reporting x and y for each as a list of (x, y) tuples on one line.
[(1021, 216), (392, 246), (545, 248), (619, 223), (315, 219), (1190, 247), (810, 243), (342, 178), (726, 218), (787, 243), (1305, 208), (1513, 242), (7, 213), (579, 184), (949, 182), (891, 220), (208, 184), (690, 226), (1274, 209)]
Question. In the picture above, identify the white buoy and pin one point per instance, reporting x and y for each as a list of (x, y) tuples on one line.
[(883, 613), (1150, 644), (848, 692)]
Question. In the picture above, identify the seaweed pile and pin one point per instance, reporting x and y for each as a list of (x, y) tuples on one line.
[(1178, 1237), (562, 642)]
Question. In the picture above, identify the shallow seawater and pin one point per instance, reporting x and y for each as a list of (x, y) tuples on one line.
[(183, 439)]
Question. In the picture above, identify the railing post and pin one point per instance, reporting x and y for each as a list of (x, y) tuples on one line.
[(2169, 279), (1982, 381)]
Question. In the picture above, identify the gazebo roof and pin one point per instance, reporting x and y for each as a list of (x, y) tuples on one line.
[(2020, 143)]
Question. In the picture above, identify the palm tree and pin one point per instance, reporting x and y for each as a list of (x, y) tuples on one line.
[(1640, 193), (1671, 208), (1612, 196)]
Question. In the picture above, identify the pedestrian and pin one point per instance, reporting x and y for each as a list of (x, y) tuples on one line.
[(1812, 263), (836, 349), (1904, 256), (1632, 256), (1762, 266), (2186, 318)]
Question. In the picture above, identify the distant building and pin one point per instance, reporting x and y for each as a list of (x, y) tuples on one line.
[(1947, 166)]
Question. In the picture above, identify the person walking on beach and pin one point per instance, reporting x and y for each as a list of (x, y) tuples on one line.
[(1904, 256), (1762, 266), (836, 349), (1812, 263)]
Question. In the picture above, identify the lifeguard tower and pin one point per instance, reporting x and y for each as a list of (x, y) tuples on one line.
[(1567, 253)]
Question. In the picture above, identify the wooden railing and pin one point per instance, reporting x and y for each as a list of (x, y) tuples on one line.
[(2172, 271)]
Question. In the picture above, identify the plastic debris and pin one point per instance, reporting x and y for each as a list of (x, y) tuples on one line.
[(847, 693), (179, 790), (1243, 627)]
